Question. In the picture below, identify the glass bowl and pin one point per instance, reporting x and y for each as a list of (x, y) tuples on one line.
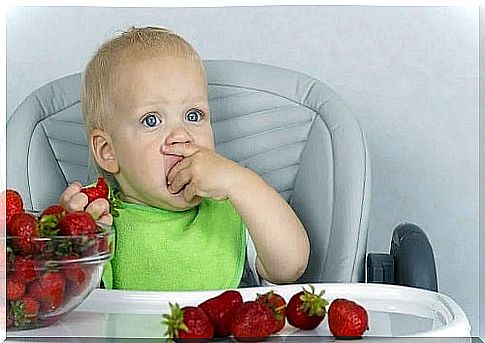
[(55, 277)]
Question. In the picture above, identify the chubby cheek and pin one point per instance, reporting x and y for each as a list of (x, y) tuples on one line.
[(143, 163), (205, 139)]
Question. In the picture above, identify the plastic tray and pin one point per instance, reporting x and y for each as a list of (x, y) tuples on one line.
[(394, 311)]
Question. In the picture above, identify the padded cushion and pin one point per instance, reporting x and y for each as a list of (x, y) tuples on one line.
[(288, 127)]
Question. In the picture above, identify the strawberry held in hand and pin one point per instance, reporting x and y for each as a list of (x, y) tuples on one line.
[(220, 311), (346, 319), (101, 190), (189, 322), (306, 310), (277, 304)]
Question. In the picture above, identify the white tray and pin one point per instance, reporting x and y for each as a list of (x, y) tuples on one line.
[(394, 311)]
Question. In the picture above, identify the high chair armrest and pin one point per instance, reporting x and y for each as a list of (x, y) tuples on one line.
[(380, 268), (410, 261)]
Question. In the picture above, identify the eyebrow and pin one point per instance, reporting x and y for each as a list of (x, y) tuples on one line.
[(147, 104)]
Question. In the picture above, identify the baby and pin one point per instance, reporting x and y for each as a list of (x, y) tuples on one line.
[(184, 209)]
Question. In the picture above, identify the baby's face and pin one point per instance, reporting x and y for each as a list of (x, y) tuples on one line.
[(159, 101)]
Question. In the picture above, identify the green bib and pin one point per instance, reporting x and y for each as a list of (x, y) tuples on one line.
[(203, 248)]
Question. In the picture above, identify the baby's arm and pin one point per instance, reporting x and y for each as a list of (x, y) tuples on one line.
[(279, 237)]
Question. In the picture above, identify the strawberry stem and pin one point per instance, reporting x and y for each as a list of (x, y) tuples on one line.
[(174, 321), (115, 203), (313, 303)]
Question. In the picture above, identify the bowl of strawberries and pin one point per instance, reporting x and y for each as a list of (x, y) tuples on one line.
[(54, 259)]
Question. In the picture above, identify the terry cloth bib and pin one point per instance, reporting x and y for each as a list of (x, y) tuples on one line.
[(203, 248)]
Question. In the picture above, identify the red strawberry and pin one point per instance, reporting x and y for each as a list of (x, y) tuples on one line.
[(189, 322), (77, 276), (13, 204), (49, 289), (24, 226), (220, 311), (30, 306), (102, 244), (77, 224), (15, 288), (49, 220), (252, 320), (25, 269), (55, 210), (346, 319), (74, 272), (306, 310), (277, 304), (24, 311), (101, 190)]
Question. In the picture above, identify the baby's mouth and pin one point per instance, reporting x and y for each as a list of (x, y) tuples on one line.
[(170, 162)]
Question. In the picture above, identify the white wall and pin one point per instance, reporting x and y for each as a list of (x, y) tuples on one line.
[(410, 75)]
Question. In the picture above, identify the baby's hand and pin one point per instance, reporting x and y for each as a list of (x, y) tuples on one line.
[(72, 199), (202, 173)]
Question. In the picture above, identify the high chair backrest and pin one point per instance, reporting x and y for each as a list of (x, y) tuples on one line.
[(288, 127)]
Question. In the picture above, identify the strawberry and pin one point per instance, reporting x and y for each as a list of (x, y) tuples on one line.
[(103, 244), (55, 210), (77, 224), (15, 288), (30, 306), (75, 272), (49, 289), (13, 204), (347, 319), (24, 311), (220, 311), (189, 322), (24, 227), (76, 275), (101, 190), (277, 304), (306, 310), (24, 269), (252, 320), (49, 219)]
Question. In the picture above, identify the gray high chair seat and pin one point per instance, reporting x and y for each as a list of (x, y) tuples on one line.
[(288, 127)]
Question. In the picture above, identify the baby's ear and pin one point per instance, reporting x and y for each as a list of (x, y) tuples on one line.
[(103, 151)]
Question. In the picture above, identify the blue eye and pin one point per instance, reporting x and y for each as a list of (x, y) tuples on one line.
[(194, 116), (151, 120)]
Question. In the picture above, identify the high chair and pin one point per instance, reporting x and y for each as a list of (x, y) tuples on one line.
[(290, 128)]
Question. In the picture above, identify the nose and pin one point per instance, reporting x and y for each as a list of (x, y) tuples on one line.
[(178, 134)]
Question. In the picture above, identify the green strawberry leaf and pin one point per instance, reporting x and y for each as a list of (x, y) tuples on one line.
[(313, 303), (115, 203)]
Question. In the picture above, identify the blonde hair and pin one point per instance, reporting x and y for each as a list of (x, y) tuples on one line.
[(98, 77)]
